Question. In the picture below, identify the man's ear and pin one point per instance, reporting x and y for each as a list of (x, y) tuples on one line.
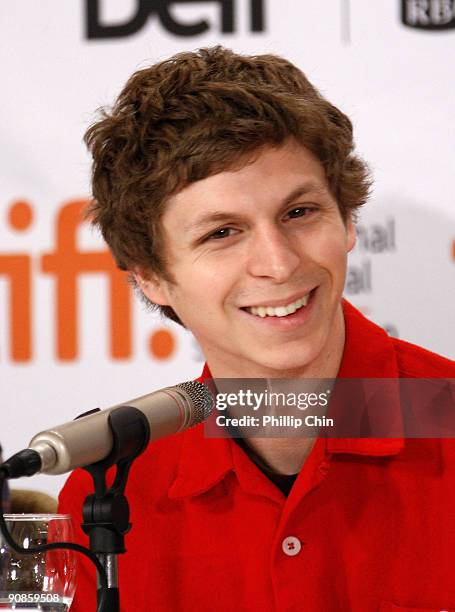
[(351, 233), (152, 286)]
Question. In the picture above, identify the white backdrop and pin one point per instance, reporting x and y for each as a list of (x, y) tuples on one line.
[(395, 81)]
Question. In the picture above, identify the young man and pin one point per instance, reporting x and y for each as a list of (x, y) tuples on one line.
[(227, 186)]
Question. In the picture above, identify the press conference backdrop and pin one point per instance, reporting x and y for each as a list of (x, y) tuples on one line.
[(71, 335)]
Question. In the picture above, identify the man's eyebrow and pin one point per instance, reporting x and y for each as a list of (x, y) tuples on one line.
[(215, 217), (222, 216), (301, 190)]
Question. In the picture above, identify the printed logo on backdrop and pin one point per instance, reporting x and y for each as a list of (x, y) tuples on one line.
[(66, 264), (373, 240), (433, 15), (97, 28)]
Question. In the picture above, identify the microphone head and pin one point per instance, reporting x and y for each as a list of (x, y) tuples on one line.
[(201, 398)]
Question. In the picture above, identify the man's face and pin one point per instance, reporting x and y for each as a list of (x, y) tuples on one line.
[(247, 243)]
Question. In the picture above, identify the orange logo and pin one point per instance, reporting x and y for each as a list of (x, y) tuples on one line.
[(66, 263)]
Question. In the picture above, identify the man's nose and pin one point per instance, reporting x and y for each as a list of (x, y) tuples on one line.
[(273, 254)]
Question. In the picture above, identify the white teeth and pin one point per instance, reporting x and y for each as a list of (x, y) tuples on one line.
[(291, 309), (280, 311)]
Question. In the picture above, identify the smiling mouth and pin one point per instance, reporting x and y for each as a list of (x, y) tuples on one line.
[(279, 311)]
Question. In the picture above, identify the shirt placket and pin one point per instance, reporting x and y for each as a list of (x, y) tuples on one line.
[(292, 560)]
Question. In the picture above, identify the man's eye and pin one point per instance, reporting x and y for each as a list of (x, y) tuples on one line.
[(299, 211), (223, 232)]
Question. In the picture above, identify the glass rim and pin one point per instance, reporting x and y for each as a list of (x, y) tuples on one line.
[(48, 516)]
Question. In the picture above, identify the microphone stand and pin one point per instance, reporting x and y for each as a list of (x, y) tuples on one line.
[(106, 512)]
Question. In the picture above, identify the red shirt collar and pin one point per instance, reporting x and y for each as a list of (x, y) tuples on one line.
[(368, 353)]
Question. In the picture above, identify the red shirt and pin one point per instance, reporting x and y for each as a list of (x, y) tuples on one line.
[(368, 525)]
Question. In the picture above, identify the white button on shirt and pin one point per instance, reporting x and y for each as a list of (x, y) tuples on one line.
[(291, 546)]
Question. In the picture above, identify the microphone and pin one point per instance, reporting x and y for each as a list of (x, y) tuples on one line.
[(88, 438)]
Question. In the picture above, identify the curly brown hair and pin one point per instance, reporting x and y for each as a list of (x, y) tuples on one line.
[(192, 116)]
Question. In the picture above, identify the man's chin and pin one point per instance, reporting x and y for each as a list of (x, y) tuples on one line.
[(279, 365)]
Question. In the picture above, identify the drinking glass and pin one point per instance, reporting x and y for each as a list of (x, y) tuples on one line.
[(42, 581)]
